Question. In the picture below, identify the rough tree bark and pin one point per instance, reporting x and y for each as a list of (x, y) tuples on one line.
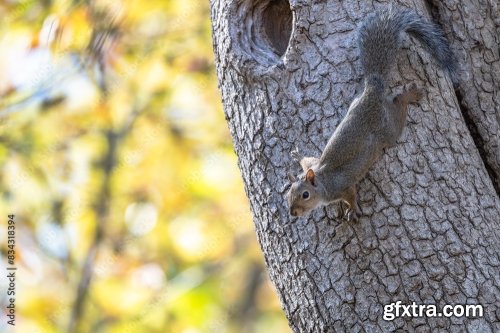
[(430, 227), (472, 27)]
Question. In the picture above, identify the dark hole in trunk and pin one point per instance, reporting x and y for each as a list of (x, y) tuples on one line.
[(277, 20)]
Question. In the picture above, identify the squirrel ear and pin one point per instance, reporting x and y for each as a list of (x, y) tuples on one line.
[(291, 178), (310, 176)]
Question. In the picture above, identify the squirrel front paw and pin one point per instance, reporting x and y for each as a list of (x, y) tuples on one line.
[(348, 208), (349, 214)]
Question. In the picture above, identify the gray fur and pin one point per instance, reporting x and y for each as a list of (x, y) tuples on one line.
[(374, 120), (380, 34)]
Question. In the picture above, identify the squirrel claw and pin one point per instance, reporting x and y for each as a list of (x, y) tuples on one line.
[(295, 154), (345, 212), (340, 211), (351, 215), (412, 86), (348, 215)]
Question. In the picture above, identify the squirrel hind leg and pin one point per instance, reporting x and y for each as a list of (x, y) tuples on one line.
[(409, 96), (414, 94), (397, 108)]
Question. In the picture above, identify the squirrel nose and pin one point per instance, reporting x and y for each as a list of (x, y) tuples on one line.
[(293, 212)]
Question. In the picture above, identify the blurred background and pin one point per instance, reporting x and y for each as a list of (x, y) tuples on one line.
[(117, 162)]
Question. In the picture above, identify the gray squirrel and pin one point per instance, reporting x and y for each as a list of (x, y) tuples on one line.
[(374, 120)]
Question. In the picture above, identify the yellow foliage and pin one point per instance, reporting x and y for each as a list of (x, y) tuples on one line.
[(116, 160)]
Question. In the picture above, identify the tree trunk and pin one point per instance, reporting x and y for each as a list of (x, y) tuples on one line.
[(474, 35), (429, 232)]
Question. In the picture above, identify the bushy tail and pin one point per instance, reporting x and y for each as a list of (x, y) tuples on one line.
[(380, 40)]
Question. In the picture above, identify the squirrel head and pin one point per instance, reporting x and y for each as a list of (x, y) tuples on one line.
[(303, 195)]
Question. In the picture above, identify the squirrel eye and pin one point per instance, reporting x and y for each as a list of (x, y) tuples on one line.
[(305, 195)]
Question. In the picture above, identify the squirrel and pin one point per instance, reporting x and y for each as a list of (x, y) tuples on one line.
[(374, 120)]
